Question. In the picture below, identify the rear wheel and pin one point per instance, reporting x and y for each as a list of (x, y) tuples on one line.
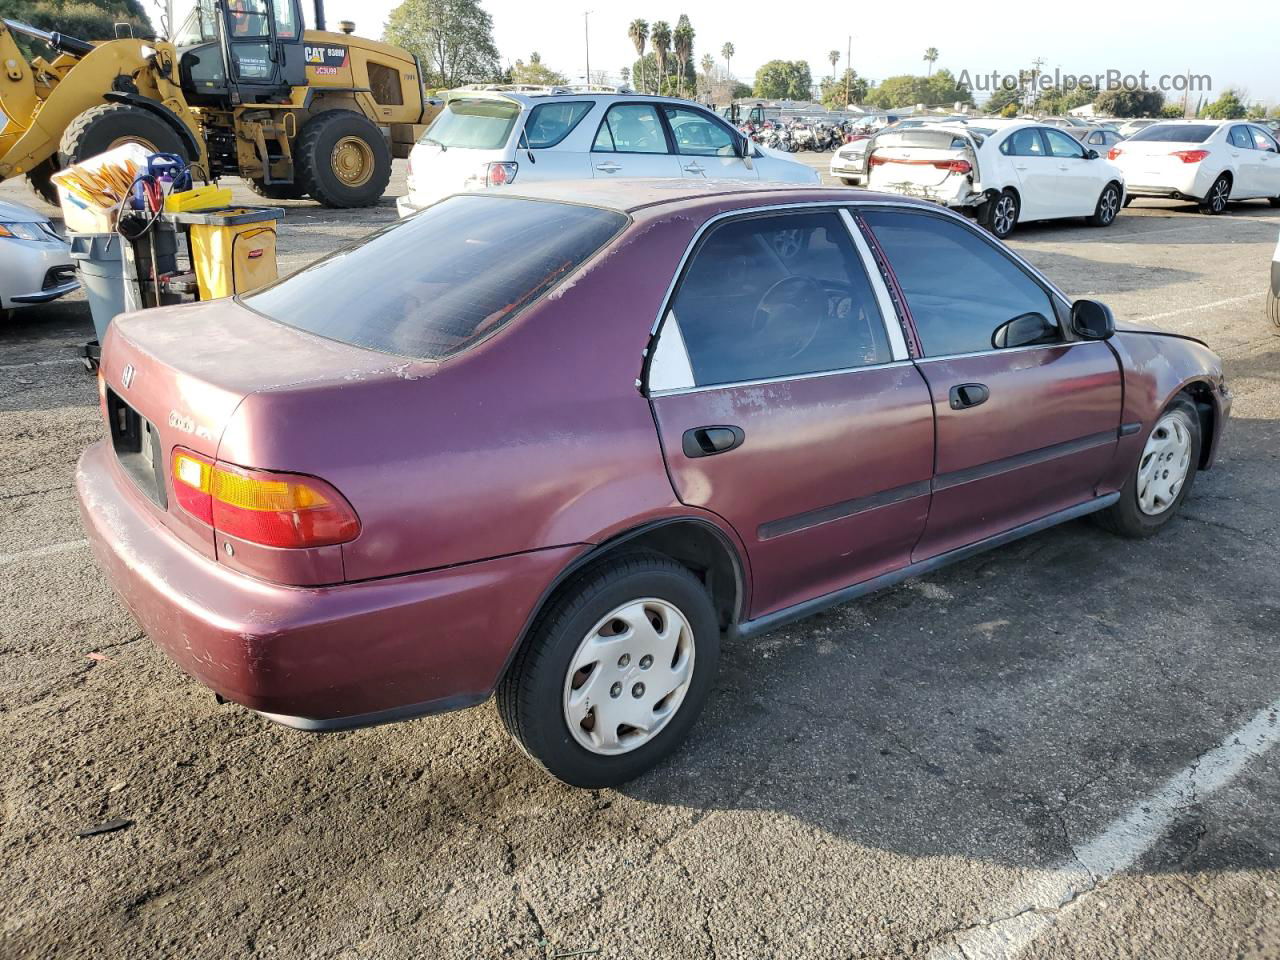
[(615, 671), (343, 160), (1273, 309), (1163, 475), (1274, 201), (849, 181), (1104, 214), (113, 124), (38, 177), (1001, 214), (1215, 200)]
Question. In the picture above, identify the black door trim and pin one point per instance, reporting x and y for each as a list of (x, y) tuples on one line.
[(838, 511), (945, 481)]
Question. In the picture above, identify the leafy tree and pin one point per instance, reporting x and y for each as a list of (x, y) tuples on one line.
[(1009, 110), (1003, 97), (834, 95), (1229, 106), (1129, 103), (639, 34), (536, 72), (1059, 102), (784, 80), (648, 65), (740, 90), (452, 38), (83, 19), (1171, 111), (904, 90), (930, 57), (1257, 111), (942, 90), (661, 37), (682, 38)]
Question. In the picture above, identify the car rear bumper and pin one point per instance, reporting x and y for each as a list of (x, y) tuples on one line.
[(316, 658)]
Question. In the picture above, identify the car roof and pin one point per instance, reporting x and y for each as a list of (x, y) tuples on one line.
[(633, 196), (528, 95)]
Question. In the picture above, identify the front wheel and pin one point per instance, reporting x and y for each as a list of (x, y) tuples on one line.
[(1104, 214), (615, 672), (1163, 475), (1215, 200)]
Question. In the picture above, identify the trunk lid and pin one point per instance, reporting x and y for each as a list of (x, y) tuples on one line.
[(921, 162), (472, 131)]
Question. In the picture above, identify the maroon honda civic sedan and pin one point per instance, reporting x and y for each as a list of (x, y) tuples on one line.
[(559, 445)]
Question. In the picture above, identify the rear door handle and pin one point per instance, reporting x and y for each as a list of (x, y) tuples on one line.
[(708, 441), (608, 167), (693, 168), (967, 395)]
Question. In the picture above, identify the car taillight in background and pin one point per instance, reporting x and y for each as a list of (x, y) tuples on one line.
[(875, 161), (1113, 153), (500, 174), (955, 166), (1190, 156), (267, 508)]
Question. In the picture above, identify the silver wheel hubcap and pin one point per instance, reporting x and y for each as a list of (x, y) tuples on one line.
[(629, 676), (1110, 205), (1004, 215), (1220, 191), (1164, 465)]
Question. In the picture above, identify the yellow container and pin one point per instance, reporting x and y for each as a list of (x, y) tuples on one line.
[(201, 198), (233, 250)]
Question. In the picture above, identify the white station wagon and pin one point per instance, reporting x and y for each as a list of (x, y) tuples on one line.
[(490, 137)]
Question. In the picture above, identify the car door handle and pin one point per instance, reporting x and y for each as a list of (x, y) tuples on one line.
[(1019, 166), (608, 167), (968, 395), (708, 441), (693, 168)]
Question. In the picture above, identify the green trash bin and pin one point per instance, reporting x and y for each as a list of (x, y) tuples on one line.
[(100, 266)]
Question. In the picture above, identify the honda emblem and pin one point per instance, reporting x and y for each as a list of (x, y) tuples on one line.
[(126, 377)]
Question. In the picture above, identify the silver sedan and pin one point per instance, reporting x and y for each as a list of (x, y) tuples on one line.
[(35, 262)]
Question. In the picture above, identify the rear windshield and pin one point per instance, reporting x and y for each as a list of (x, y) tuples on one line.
[(922, 137), (1176, 132), (440, 281), (473, 124)]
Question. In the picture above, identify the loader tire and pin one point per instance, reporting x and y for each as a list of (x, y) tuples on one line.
[(343, 160), (112, 124), (38, 179), (277, 191)]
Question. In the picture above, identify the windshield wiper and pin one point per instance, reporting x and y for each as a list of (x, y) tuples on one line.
[(442, 147)]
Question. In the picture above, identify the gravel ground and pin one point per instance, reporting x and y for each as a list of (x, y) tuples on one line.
[(939, 768)]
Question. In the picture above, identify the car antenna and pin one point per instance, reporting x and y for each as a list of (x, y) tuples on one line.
[(524, 139)]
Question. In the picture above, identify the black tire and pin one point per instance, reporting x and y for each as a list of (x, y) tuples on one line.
[(1126, 517), (38, 179), (277, 191), (1273, 309), (100, 128), (1215, 201), (1274, 201), (1127, 201), (315, 155), (1000, 215), (530, 695), (1108, 206), (850, 181)]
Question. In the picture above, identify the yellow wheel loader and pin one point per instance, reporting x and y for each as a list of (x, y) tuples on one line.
[(239, 88)]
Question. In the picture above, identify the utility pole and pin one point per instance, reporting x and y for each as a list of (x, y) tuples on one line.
[(586, 33), (848, 71)]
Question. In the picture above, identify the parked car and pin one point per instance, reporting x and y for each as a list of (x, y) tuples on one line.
[(595, 429), (1100, 140), (847, 164), (1210, 162), (1130, 127), (499, 138), (35, 261), (1273, 293), (1072, 124), (1001, 173)]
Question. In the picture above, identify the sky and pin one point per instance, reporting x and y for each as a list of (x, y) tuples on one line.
[(1082, 37)]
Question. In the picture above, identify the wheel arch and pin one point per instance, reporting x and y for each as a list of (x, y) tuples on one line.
[(696, 543), (194, 149), (1201, 393)]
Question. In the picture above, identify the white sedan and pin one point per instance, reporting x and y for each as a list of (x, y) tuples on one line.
[(1002, 173), (1210, 162)]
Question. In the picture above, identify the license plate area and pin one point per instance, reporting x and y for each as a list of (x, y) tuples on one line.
[(137, 446)]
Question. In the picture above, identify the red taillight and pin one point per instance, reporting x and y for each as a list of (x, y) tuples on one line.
[(877, 161), (1190, 156), (272, 509), (1113, 153), (955, 166), (500, 174)]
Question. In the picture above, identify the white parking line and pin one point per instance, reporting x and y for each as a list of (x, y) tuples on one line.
[(7, 558), (1030, 909), (1202, 306)]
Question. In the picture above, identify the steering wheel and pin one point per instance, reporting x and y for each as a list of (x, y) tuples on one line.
[(789, 315)]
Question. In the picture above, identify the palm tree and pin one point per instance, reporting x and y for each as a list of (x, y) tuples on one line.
[(684, 48), (930, 56), (727, 52), (834, 57), (625, 73), (661, 37), (639, 34), (708, 64)]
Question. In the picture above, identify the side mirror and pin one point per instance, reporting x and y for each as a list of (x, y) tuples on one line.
[(1023, 331), (1091, 154), (1092, 320)]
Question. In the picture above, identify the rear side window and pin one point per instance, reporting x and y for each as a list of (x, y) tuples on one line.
[(438, 282), (960, 288), (549, 123), (1024, 143), (631, 128), (473, 124), (1176, 132), (778, 296)]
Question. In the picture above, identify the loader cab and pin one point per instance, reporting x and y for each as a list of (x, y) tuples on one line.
[(239, 51)]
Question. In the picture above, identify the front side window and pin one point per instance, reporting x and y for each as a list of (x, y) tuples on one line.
[(549, 123), (965, 295), (1063, 145), (434, 284), (698, 135), (778, 296), (1262, 140), (631, 128), (473, 124)]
